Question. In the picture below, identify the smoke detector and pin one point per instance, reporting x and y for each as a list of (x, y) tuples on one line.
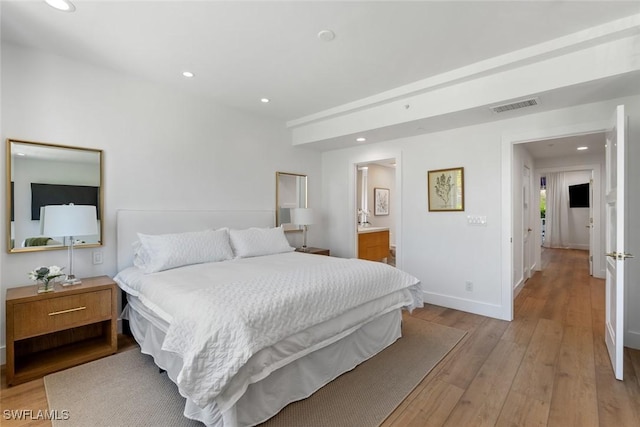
[(326, 35)]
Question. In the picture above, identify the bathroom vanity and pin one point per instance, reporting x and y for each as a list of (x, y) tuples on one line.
[(373, 243)]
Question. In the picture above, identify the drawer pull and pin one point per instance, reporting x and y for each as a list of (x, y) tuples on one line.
[(55, 313)]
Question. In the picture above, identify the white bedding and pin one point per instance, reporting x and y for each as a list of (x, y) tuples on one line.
[(222, 314)]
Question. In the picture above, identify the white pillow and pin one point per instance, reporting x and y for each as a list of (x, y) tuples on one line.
[(166, 251), (259, 241), (140, 256)]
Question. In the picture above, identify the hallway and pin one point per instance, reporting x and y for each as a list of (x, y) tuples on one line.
[(548, 367)]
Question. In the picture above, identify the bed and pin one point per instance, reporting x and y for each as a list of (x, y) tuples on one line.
[(253, 330)]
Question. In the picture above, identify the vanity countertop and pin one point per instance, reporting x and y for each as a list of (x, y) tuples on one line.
[(371, 229)]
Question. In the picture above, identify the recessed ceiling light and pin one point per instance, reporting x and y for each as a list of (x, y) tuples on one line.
[(21, 154), (63, 5), (361, 139), (326, 35), (188, 74), (582, 148), (265, 100)]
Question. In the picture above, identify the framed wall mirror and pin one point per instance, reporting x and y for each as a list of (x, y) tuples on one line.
[(291, 192), (41, 174)]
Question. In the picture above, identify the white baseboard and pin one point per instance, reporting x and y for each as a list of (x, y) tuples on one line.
[(464, 304), (518, 288), (632, 339)]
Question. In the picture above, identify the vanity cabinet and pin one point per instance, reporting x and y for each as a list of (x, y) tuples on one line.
[(373, 245)]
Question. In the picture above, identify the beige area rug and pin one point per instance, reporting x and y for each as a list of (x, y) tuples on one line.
[(127, 390)]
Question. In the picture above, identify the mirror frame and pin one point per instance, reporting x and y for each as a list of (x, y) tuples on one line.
[(306, 196), (11, 250)]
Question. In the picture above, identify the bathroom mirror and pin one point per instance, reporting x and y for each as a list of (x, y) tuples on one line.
[(40, 174), (291, 192)]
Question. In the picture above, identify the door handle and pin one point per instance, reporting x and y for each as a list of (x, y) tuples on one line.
[(621, 256), (529, 230)]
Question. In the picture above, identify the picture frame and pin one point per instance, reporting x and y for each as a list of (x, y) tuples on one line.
[(445, 190), (381, 201)]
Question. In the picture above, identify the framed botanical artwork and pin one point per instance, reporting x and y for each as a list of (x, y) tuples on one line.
[(381, 201), (446, 190)]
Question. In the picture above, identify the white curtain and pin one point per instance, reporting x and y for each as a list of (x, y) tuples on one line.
[(557, 214)]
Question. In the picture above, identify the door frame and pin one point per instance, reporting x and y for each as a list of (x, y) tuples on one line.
[(509, 140), (528, 205), (397, 198)]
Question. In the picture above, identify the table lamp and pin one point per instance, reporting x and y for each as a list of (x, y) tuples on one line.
[(69, 221), (303, 217)]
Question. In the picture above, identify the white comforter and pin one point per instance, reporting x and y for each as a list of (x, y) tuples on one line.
[(222, 314)]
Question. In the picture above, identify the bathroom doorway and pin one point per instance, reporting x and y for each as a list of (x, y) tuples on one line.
[(377, 210)]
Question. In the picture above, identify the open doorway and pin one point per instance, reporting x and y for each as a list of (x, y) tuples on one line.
[(377, 211), (568, 211), (560, 201)]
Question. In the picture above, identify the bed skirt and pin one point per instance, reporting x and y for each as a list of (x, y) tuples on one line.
[(295, 381)]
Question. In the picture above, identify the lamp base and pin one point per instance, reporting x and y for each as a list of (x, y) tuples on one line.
[(71, 280)]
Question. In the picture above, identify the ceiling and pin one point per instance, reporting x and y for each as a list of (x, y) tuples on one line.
[(568, 146), (242, 51)]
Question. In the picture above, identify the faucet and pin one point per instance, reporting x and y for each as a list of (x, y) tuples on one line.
[(363, 217)]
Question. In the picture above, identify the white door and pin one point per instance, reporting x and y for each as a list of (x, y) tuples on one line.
[(615, 227), (590, 225), (526, 224)]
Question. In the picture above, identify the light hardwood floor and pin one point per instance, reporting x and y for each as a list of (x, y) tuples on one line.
[(548, 367)]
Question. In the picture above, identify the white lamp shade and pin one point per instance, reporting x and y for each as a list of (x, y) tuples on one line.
[(302, 216), (69, 220)]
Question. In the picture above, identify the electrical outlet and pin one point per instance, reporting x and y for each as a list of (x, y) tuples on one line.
[(468, 286), (97, 257)]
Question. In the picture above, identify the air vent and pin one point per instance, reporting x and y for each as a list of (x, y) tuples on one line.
[(515, 105)]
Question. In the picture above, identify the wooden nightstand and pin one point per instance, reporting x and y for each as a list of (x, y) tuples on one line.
[(315, 251), (52, 331)]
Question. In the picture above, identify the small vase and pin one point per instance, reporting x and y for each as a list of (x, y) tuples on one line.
[(45, 285)]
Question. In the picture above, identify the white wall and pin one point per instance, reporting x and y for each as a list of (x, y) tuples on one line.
[(440, 248), (162, 149), (578, 217), (632, 238)]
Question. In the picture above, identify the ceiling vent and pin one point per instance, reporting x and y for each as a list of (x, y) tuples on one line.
[(514, 105)]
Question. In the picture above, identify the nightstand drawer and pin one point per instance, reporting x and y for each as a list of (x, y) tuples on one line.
[(58, 313)]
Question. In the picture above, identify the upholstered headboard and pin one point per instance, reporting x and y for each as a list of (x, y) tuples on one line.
[(131, 222)]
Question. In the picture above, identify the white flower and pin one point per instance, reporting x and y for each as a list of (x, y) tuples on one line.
[(54, 270), (45, 273)]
